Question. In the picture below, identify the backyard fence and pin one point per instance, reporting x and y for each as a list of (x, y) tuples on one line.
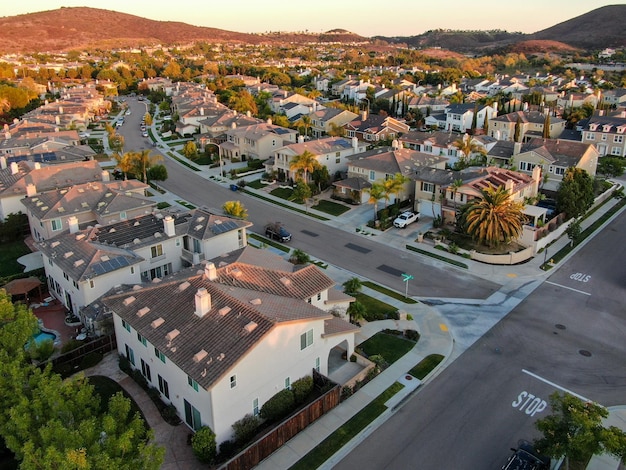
[(72, 359)]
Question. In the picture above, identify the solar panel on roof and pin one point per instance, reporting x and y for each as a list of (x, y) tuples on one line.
[(225, 226), (110, 265)]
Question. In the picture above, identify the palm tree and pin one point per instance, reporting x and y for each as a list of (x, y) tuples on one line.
[(468, 146), (235, 209), (454, 187), (304, 163), (376, 192), (493, 219), (357, 311), (142, 161), (394, 186), (352, 286), (304, 122), (336, 130)]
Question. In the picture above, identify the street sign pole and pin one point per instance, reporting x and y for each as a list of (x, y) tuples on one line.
[(406, 278)]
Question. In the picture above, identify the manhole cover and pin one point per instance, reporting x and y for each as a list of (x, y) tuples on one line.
[(584, 352), (559, 326)]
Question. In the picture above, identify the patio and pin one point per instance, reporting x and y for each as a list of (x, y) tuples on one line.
[(52, 313)]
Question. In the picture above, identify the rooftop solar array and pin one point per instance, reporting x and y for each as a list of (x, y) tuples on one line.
[(110, 265), (225, 226)]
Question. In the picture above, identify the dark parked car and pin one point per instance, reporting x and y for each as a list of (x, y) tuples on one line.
[(276, 231), (525, 457)]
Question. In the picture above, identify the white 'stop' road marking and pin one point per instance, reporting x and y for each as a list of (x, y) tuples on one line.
[(570, 288), (555, 385)]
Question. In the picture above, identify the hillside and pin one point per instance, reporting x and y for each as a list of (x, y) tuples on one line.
[(600, 28)]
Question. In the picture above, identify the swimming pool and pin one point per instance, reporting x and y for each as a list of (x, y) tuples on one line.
[(43, 336)]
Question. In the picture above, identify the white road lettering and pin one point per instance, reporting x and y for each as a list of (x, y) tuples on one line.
[(529, 403), (580, 277)]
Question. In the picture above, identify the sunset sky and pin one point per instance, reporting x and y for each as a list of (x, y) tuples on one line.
[(365, 17)]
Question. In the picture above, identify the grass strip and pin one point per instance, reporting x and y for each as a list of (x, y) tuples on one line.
[(436, 256), (376, 309), (330, 207), (183, 162), (563, 252), (267, 241), (388, 292), (286, 206), (426, 366), (185, 203), (329, 446)]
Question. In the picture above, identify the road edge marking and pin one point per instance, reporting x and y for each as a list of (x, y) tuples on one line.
[(555, 385)]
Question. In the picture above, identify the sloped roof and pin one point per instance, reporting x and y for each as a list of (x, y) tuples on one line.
[(391, 160)]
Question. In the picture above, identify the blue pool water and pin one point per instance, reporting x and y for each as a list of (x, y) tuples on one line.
[(42, 336)]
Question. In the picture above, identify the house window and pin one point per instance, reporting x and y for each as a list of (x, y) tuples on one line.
[(192, 416), (527, 166), (91, 283), (132, 270), (372, 175), (337, 154), (160, 355), (130, 354), (164, 388), (145, 370), (255, 407), (317, 364), (141, 339), (233, 381), (428, 187), (178, 242), (126, 325), (428, 148), (67, 278), (123, 215), (306, 339), (319, 296), (338, 160), (156, 251), (604, 136), (288, 383), (590, 136), (56, 225), (616, 151), (192, 383), (618, 139)]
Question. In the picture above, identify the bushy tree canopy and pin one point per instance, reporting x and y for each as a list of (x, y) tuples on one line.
[(575, 194)]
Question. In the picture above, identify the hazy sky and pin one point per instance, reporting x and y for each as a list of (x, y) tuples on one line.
[(364, 17)]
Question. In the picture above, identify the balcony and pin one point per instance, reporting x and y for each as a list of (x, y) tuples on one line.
[(191, 257)]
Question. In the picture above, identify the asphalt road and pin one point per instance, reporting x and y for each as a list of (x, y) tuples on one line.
[(567, 335), (380, 263)]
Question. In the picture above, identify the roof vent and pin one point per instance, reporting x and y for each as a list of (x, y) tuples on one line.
[(68, 254), (104, 258), (183, 286), (142, 311), (77, 263), (136, 241), (224, 310), (108, 195), (84, 204), (112, 230), (197, 357), (286, 281), (129, 300), (157, 234), (61, 209), (200, 219), (250, 327), (171, 335), (156, 323), (55, 244), (221, 357), (80, 236), (198, 227), (137, 287), (256, 301), (236, 273), (81, 190), (156, 280), (136, 224)]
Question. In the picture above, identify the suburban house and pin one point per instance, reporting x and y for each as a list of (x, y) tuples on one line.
[(571, 100), (460, 117), (531, 124), (323, 119), (380, 164), (19, 179), (56, 211), (427, 104), (331, 152), (555, 156), (84, 264), (606, 134), (616, 97), (374, 127), (213, 128), (258, 141), (440, 143), (281, 98), (219, 341)]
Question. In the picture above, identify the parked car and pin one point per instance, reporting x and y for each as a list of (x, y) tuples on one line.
[(406, 218), (276, 231), (525, 457), (144, 134)]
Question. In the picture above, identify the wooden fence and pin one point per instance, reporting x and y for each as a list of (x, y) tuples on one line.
[(103, 345), (278, 436)]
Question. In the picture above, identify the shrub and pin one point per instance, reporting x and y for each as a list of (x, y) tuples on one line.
[(378, 360), (352, 358), (278, 406), (346, 392), (170, 415), (413, 335), (203, 444), (70, 346), (409, 316), (228, 449), (246, 427), (395, 315), (41, 351), (301, 389)]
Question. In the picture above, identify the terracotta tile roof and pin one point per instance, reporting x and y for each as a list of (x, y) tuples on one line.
[(335, 326), (394, 160)]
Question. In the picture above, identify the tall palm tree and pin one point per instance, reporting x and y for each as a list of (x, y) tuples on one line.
[(468, 146), (336, 130), (304, 164), (144, 160), (454, 187), (305, 123), (376, 192), (493, 219)]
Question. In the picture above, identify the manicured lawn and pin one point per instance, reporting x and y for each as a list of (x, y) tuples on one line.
[(9, 254), (106, 388), (203, 160), (390, 347), (256, 184), (391, 293), (283, 193), (426, 366), (376, 309), (329, 446), (330, 207)]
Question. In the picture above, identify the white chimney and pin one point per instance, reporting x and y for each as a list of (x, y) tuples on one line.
[(364, 115), (14, 168), (37, 166), (300, 139), (105, 176), (7, 135), (509, 186), (31, 190), (168, 226), (395, 144), (517, 148), (355, 143), (269, 121), (201, 111), (203, 302), (73, 223), (210, 271), (60, 109), (3, 162)]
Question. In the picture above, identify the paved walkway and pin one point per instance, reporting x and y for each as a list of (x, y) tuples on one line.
[(435, 338)]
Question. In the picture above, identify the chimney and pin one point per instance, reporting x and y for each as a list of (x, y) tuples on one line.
[(31, 190), (3, 162), (203, 302), (509, 186), (14, 168), (201, 111), (168, 226), (105, 176), (364, 115), (517, 148), (537, 177), (37, 166), (300, 139), (60, 109), (210, 271), (269, 121), (355, 143), (7, 135), (73, 223), (395, 144)]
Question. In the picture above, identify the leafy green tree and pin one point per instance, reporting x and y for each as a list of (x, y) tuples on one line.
[(611, 167), (575, 193), (321, 177), (280, 120), (204, 445), (116, 142), (352, 286), (304, 123), (494, 218), (468, 147), (574, 430), (235, 209), (336, 130), (157, 173), (573, 232), (301, 192), (125, 163), (142, 161), (242, 101), (393, 186)]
